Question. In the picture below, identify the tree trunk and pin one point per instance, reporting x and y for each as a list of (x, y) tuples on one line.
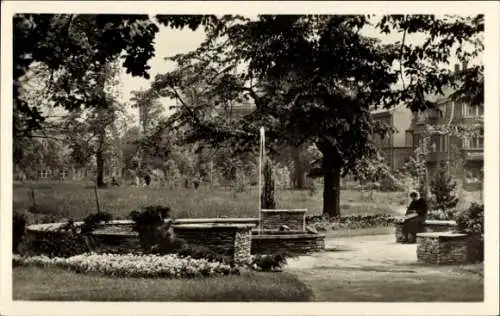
[(100, 160), (298, 171), (331, 193)]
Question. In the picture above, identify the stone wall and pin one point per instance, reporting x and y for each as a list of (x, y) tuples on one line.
[(274, 219), (214, 238), (429, 227), (443, 248), (226, 238), (242, 246), (116, 243), (292, 243)]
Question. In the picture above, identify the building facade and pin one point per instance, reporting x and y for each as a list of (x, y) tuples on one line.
[(395, 147), (462, 153)]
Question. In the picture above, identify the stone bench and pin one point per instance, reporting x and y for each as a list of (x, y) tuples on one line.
[(430, 226), (273, 219), (447, 248)]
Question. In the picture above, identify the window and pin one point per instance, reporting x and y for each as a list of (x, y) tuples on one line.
[(473, 111), (476, 142), (443, 143), (409, 138)]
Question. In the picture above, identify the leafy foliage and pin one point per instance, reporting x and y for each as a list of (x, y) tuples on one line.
[(76, 47), (293, 82), (325, 223), (63, 244), (155, 231), (18, 230), (269, 262), (471, 220), (92, 221), (202, 252), (442, 189)]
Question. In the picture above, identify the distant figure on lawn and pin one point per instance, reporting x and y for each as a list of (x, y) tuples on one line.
[(414, 217), (147, 179)]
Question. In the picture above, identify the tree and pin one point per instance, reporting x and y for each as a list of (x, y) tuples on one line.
[(316, 78), (442, 189), (72, 46), (150, 109), (93, 128), (310, 89)]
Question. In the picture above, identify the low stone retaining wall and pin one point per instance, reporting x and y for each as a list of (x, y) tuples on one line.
[(295, 219), (447, 248), (298, 243), (233, 239), (429, 227)]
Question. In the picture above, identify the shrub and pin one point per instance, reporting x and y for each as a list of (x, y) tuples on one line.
[(144, 266), (439, 215), (388, 185), (68, 239), (471, 220), (18, 230), (156, 235), (442, 189), (349, 222), (202, 252), (92, 221), (269, 262), (58, 244)]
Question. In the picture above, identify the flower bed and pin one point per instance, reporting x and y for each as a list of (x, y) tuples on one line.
[(145, 266), (349, 222)]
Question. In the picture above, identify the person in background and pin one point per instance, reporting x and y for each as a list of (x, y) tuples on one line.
[(414, 217)]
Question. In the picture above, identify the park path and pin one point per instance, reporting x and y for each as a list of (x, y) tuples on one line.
[(376, 268), (358, 252)]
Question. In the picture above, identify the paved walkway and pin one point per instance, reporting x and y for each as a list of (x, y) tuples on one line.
[(376, 268), (359, 252)]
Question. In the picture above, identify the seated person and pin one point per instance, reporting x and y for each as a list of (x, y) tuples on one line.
[(414, 217)]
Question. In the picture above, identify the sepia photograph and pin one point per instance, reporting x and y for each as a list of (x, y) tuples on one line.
[(246, 156)]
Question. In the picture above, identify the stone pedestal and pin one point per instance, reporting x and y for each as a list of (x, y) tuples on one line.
[(443, 248), (233, 239), (273, 219)]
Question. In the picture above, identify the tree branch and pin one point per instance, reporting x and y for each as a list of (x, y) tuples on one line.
[(401, 54)]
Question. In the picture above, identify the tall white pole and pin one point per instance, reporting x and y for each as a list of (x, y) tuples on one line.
[(261, 158)]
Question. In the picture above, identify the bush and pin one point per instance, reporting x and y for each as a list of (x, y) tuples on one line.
[(269, 262), (57, 244), (144, 266), (202, 252), (471, 220), (156, 235), (18, 230), (67, 240), (388, 185), (92, 221), (439, 215), (321, 223), (442, 189)]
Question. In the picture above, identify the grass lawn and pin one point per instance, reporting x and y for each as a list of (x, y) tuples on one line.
[(55, 284), (425, 284), (343, 285), (77, 200)]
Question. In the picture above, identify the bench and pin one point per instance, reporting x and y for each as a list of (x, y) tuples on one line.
[(430, 226)]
